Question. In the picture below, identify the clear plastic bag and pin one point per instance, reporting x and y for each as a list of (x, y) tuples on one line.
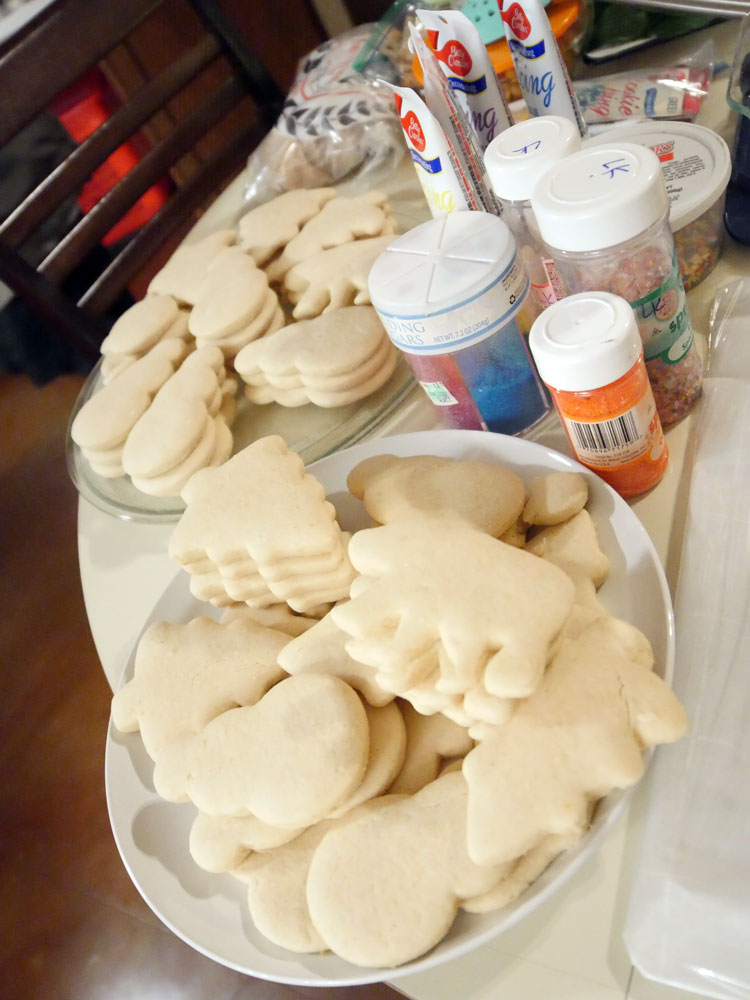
[(688, 922), (337, 126)]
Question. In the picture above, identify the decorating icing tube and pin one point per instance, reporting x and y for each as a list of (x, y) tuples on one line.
[(441, 101), (464, 60), (540, 69), (434, 160)]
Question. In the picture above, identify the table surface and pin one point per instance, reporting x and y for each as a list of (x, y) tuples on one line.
[(571, 948)]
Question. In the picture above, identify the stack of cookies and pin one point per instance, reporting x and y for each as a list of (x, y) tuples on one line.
[(332, 360), (156, 317), (185, 428), (223, 538), (234, 304), (102, 425)]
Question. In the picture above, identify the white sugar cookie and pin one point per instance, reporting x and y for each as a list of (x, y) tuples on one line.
[(430, 741), (267, 228), (263, 505), (177, 418), (244, 762), (574, 547), (221, 843), (229, 297), (334, 278), (106, 419), (485, 494), (385, 887), (555, 497), (576, 738), (341, 220), (141, 326), (385, 758), (185, 676), (446, 596), (321, 649), (181, 276)]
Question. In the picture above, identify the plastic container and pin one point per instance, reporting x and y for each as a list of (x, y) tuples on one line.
[(603, 213), (696, 165), (449, 293), (515, 160), (588, 350)]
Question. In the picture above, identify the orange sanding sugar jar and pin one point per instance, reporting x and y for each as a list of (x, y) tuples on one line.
[(589, 353)]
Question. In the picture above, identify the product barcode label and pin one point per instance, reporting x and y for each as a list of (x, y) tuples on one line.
[(439, 393), (606, 443), (609, 435)]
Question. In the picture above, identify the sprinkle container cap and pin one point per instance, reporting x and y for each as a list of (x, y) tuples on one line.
[(695, 161), (441, 264), (585, 341), (521, 154), (600, 197)]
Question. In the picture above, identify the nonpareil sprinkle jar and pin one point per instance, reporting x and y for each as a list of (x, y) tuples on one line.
[(449, 293), (588, 350), (604, 214)]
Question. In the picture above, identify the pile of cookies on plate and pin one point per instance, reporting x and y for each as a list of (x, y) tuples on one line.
[(279, 305), (399, 723)]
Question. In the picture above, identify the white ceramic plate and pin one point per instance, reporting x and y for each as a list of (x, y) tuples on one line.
[(209, 911)]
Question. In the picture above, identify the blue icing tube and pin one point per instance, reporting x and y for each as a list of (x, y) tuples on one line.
[(540, 68)]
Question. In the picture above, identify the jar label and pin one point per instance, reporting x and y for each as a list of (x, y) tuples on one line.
[(664, 321), (465, 323), (439, 393), (606, 444)]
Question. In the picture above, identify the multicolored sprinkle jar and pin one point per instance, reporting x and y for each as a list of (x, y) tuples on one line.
[(603, 213)]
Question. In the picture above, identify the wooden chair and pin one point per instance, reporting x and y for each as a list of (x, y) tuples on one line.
[(193, 114)]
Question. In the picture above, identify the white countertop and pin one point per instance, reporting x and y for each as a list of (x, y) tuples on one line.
[(570, 948)]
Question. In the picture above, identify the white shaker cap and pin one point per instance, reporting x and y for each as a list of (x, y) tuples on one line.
[(585, 341), (441, 264), (600, 196), (521, 154)]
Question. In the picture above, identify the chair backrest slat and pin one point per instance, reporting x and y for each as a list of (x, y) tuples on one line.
[(189, 114), (70, 176), (74, 247), (57, 49), (178, 214)]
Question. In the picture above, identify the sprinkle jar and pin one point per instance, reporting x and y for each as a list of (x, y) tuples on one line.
[(696, 165), (604, 214), (515, 160), (449, 293), (588, 350)]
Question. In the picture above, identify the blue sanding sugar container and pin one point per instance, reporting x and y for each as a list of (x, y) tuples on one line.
[(450, 294)]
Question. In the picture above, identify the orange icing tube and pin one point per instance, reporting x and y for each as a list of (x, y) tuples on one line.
[(588, 351)]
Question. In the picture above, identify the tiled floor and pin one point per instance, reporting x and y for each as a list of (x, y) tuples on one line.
[(72, 926)]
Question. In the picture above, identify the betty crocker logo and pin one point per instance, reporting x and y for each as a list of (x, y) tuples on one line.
[(410, 125), (456, 58), (519, 23)]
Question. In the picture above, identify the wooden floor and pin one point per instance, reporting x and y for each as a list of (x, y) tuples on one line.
[(72, 925)]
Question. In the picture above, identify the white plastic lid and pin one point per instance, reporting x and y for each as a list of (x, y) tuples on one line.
[(517, 158), (441, 263), (600, 196), (585, 341), (696, 163)]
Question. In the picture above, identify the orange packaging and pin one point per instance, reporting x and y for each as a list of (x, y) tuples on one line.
[(588, 351)]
